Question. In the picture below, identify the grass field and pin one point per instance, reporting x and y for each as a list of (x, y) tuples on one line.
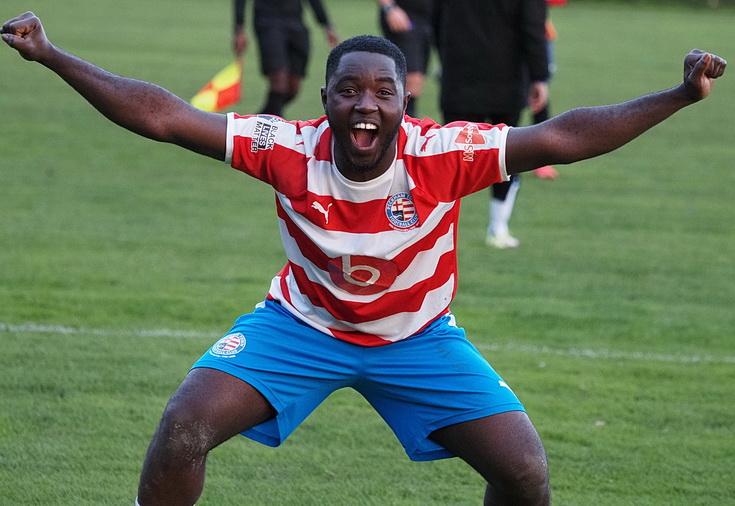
[(122, 260)]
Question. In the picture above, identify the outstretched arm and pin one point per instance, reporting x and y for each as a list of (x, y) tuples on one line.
[(588, 132), (141, 107)]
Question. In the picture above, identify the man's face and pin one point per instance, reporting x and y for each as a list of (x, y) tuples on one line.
[(364, 102)]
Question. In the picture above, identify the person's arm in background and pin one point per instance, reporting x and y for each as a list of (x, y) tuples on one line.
[(395, 17), (240, 38), (321, 15), (533, 41)]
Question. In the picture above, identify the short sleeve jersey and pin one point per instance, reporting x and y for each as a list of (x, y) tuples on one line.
[(368, 262)]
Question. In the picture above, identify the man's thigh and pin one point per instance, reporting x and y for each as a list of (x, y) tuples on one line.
[(432, 380)]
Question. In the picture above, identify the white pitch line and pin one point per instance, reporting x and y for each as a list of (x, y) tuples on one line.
[(608, 354), (35, 328)]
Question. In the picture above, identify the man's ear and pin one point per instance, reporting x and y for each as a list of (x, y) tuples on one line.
[(406, 98), (324, 98)]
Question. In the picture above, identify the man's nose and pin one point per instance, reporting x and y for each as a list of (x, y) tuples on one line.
[(366, 102)]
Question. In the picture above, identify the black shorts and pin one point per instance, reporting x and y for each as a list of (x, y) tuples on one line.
[(415, 44), (284, 45)]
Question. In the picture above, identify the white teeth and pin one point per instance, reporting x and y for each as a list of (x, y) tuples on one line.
[(365, 126)]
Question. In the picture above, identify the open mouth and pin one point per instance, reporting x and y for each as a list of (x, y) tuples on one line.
[(364, 135)]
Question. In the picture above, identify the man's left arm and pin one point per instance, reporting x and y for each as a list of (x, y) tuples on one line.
[(587, 132)]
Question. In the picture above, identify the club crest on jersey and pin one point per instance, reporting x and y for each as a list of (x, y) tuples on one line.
[(229, 346), (401, 211)]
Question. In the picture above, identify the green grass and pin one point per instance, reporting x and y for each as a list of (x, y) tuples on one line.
[(122, 260)]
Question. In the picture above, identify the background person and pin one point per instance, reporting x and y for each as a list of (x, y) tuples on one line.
[(489, 51), (283, 39), (408, 24), (547, 171)]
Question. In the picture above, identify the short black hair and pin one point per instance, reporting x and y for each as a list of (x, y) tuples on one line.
[(370, 44)]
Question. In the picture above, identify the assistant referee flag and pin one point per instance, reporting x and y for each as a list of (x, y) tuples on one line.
[(222, 91)]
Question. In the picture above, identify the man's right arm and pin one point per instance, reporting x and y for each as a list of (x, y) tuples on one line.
[(140, 107)]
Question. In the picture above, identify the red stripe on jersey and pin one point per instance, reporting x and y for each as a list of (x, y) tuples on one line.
[(323, 148), (333, 214), (269, 167), (388, 304), (311, 251), (362, 339)]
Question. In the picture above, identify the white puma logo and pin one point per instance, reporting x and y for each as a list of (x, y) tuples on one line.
[(320, 208)]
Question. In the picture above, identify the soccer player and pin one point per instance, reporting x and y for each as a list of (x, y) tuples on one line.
[(368, 206)]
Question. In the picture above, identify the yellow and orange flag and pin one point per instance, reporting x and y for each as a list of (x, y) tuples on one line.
[(222, 91)]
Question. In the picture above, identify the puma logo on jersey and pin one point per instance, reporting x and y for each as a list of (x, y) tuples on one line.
[(320, 208), (423, 146)]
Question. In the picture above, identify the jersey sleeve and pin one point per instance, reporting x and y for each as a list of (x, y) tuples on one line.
[(455, 160), (267, 148)]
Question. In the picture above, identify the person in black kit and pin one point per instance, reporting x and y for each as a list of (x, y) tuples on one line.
[(408, 24), (283, 39), (489, 52)]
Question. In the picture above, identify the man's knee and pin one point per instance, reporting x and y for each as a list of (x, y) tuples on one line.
[(184, 432), (528, 484)]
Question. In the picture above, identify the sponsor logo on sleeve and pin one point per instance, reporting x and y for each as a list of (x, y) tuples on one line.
[(468, 138)]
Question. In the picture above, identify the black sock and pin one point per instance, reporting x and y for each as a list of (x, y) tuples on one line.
[(275, 103)]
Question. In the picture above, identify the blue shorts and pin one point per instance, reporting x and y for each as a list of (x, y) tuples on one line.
[(433, 379)]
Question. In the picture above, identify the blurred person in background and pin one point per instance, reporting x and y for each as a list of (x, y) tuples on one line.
[(494, 65), (408, 24), (547, 171), (283, 39)]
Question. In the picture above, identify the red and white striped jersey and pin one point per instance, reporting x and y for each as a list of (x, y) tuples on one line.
[(368, 262)]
